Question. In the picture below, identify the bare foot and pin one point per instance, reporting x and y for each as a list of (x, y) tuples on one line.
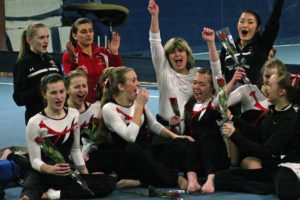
[(125, 183), (25, 197), (193, 185), (182, 183), (51, 194), (45, 195), (209, 187), (5, 153), (97, 173)]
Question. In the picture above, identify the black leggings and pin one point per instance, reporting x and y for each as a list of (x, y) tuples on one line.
[(287, 184), (36, 183), (284, 183), (156, 165), (255, 181)]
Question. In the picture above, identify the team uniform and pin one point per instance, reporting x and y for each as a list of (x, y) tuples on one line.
[(65, 135), (203, 126), (27, 74), (253, 104), (135, 157), (170, 83), (280, 144), (255, 54), (89, 122), (101, 58), (96, 156)]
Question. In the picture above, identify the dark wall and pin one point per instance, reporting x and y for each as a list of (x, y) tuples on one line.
[(186, 18)]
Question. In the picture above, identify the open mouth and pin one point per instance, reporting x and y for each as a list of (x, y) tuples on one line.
[(178, 61), (244, 33), (197, 94), (59, 103), (81, 96)]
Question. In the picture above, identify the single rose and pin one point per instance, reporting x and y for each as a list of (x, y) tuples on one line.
[(39, 139), (221, 82)]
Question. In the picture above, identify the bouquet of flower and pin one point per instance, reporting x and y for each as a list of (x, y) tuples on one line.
[(223, 98), (52, 152), (175, 108), (152, 192), (227, 41), (89, 132)]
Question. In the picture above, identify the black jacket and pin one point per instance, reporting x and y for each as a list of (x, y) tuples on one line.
[(27, 74), (254, 54), (279, 139)]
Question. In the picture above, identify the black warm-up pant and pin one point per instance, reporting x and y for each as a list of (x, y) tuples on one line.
[(156, 165), (257, 181), (36, 183), (212, 156), (287, 184)]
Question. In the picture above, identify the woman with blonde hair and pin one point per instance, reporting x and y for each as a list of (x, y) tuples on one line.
[(32, 65)]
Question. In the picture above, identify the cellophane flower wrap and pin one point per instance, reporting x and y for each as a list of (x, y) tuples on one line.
[(90, 132), (227, 41), (54, 154), (223, 98), (175, 108)]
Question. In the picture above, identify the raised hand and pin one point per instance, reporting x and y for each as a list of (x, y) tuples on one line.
[(208, 34), (114, 44), (153, 8), (239, 74)]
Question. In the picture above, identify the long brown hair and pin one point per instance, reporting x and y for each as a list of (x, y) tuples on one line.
[(111, 89), (30, 32), (103, 80)]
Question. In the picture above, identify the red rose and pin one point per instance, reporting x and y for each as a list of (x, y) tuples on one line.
[(175, 195), (173, 100), (39, 139), (221, 82), (223, 37)]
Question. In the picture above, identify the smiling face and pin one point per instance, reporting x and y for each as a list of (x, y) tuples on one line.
[(178, 61), (202, 87), (78, 90), (84, 35), (247, 27), (39, 40), (131, 86), (55, 96)]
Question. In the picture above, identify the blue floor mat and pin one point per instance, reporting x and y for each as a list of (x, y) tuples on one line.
[(12, 133), (13, 194)]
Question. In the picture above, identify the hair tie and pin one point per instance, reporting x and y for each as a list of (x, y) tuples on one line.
[(106, 83)]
